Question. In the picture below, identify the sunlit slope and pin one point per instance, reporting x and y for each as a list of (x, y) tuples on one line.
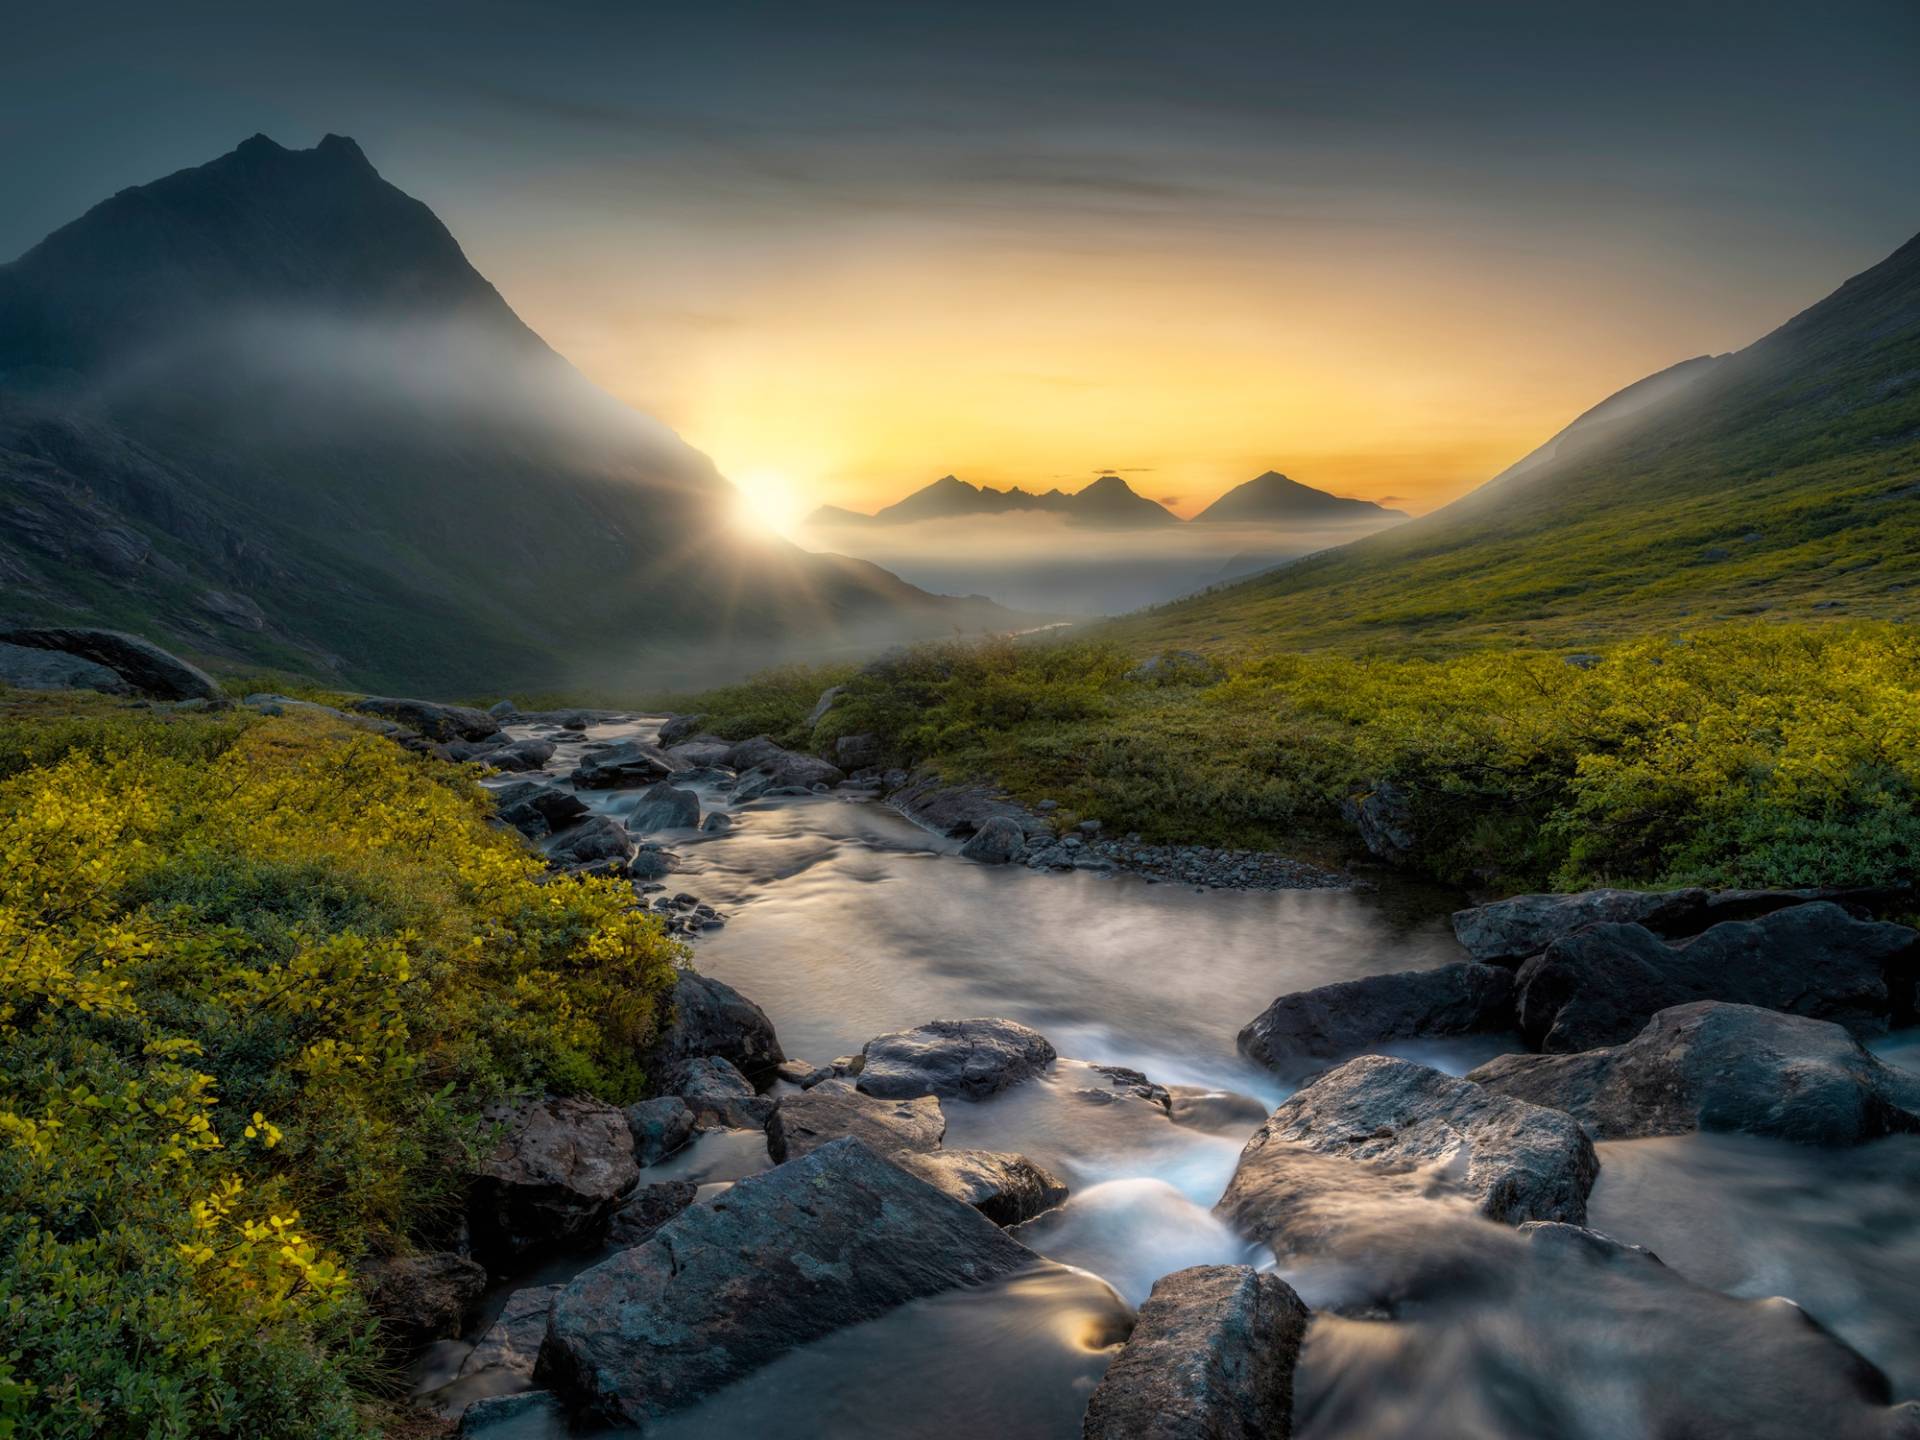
[(1783, 480)]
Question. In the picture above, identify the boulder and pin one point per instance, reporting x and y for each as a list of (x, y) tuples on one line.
[(961, 810), (856, 752), (802, 1073), (423, 1298), (1301, 1032), (652, 1206), (595, 838), (1383, 1128), (663, 807), (1602, 985), (462, 751), (998, 842), (702, 752), (535, 809), (520, 755), (1521, 926), (720, 1097), (776, 767), (511, 1344), (24, 668), (1006, 1188), (1715, 1066), (710, 1018), (955, 1059), (560, 1168), (829, 697), (833, 1239), (677, 728), (624, 766), (1384, 818), (833, 1109), (659, 1127), (1211, 1358), (431, 719), (530, 1415), (716, 823), (504, 710), (141, 664)]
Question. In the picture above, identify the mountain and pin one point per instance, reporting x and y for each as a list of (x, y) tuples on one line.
[(1274, 499), (1782, 480), (1108, 502), (266, 411)]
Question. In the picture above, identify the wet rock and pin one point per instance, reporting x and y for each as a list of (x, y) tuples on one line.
[(833, 1109), (652, 862), (1383, 1128), (465, 750), (535, 809), (530, 1415), (1602, 985), (998, 842), (961, 810), (429, 718), (519, 756), (718, 823), (1211, 1358), (1006, 1188), (1521, 926), (422, 1298), (678, 728), (1203, 1108), (803, 1074), (832, 1239), (1299, 1033), (781, 767), (504, 710), (663, 807), (720, 1097), (140, 663), (512, 1343), (592, 839), (560, 1168), (1126, 1083), (652, 1206), (659, 1127), (624, 766), (702, 753), (1384, 818), (955, 1059), (1714, 1066), (710, 1018)]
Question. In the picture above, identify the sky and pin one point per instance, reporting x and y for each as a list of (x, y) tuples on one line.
[(846, 249)]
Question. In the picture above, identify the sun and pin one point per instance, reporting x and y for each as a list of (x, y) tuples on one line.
[(770, 503)]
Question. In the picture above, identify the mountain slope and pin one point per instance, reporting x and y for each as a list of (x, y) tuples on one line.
[(1274, 499), (267, 411), (1108, 502), (1783, 479)]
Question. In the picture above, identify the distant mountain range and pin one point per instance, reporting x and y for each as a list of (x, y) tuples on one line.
[(265, 411), (1781, 480), (1109, 502)]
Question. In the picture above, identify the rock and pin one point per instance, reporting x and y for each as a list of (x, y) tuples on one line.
[(428, 718), (1126, 1083), (856, 752), (828, 698), (955, 1059), (520, 755), (422, 1298), (1521, 926), (462, 751), (662, 807), (511, 1344), (720, 1097), (677, 728), (777, 768), (961, 810), (659, 1127), (998, 842), (535, 809), (1301, 1032), (530, 1415), (1715, 1066), (595, 838), (652, 1206), (832, 1109), (504, 710), (1401, 1131), (625, 766), (1602, 985), (1006, 1188), (141, 664), (239, 611), (1384, 818), (1211, 1358), (717, 823), (560, 1169), (651, 862), (803, 1074), (710, 1018), (702, 752), (833, 1239), (24, 668)]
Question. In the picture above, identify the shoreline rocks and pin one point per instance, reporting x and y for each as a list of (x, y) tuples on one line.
[(711, 1018), (559, 1170), (1301, 1033), (954, 1059), (831, 1110), (627, 765), (1007, 1188), (443, 723)]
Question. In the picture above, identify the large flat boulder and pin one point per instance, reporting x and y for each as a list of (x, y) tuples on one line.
[(1211, 1358), (1715, 1066), (143, 665), (1391, 1131), (1301, 1032), (720, 1097), (430, 718), (830, 1240), (25, 668), (833, 1109), (559, 1169), (536, 809), (1521, 926), (1008, 1189), (624, 766), (962, 810), (777, 767), (639, 1219), (1602, 985), (711, 1018), (954, 1059), (662, 806)]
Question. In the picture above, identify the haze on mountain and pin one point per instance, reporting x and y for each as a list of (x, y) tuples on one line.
[(1782, 480), (1108, 502), (265, 410), (1273, 497)]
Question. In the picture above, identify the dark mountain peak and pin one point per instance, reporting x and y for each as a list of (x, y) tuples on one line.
[(1271, 497)]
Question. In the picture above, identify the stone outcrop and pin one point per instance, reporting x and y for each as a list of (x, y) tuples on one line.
[(144, 666), (833, 1109), (1300, 1033), (560, 1168), (624, 766), (429, 718), (961, 810), (954, 1059), (649, 1207), (710, 1018)]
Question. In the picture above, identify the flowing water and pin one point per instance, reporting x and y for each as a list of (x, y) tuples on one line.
[(845, 920)]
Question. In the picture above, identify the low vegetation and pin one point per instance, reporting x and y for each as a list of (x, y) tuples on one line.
[(261, 976), (1747, 754)]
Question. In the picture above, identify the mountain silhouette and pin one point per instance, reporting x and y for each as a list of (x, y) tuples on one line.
[(1108, 502), (1274, 499)]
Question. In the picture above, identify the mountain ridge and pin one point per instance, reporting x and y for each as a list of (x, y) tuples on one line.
[(1106, 501), (1273, 496)]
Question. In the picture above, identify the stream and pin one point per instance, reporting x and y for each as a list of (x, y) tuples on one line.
[(844, 920)]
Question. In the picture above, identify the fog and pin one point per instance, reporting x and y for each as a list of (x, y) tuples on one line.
[(1042, 563)]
